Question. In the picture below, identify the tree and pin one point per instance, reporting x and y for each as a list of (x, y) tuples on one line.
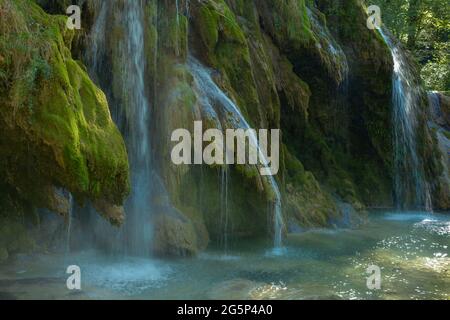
[(424, 28)]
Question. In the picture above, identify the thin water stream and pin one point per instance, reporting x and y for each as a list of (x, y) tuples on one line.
[(411, 188), (213, 95)]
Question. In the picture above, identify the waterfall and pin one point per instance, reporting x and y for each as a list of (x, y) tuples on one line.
[(97, 43), (330, 47), (435, 108), (187, 8), (138, 140), (410, 186), (132, 112), (208, 112), (224, 214), (69, 223), (155, 56), (210, 94)]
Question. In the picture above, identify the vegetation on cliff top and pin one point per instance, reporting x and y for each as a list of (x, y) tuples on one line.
[(424, 28)]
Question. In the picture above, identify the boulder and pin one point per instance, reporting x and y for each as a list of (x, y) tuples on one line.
[(112, 213), (175, 235)]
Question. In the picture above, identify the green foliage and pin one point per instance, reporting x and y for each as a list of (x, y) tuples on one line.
[(436, 72), (424, 27)]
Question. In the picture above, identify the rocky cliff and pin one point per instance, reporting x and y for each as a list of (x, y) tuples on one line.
[(310, 68), (57, 133)]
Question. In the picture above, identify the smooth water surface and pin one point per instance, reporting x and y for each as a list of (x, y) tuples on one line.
[(411, 248)]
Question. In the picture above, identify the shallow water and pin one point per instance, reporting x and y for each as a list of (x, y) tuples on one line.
[(411, 249)]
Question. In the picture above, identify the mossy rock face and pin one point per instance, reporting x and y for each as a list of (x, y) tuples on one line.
[(14, 236), (371, 68), (225, 48), (261, 55), (57, 129), (310, 68), (445, 107), (287, 23), (308, 205), (197, 191), (175, 236), (345, 139)]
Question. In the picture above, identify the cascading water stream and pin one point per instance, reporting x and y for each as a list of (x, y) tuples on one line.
[(209, 90), (224, 214), (329, 45), (97, 39), (132, 112), (139, 141), (411, 188), (69, 223), (435, 108), (208, 112)]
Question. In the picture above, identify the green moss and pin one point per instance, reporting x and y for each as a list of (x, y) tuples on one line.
[(227, 50), (174, 30), (210, 27), (307, 203), (51, 105)]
